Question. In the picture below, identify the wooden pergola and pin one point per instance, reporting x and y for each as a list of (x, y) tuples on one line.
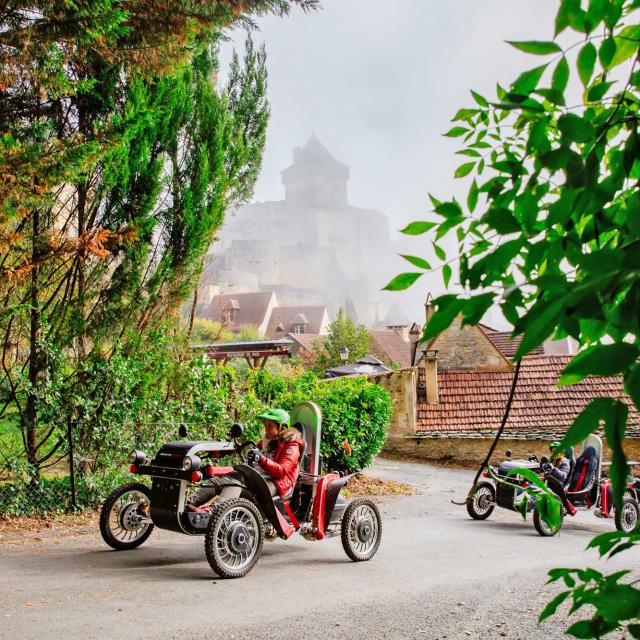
[(256, 352)]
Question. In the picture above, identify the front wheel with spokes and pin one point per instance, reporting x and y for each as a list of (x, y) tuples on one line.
[(124, 518), (233, 542), (483, 501), (628, 517), (361, 529)]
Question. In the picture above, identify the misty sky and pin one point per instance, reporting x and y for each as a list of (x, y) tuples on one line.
[(379, 81)]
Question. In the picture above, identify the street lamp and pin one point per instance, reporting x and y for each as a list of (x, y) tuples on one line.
[(344, 354)]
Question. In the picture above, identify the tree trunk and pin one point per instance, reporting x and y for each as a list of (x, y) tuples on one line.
[(35, 361)]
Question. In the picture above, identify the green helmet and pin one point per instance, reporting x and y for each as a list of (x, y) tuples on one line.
[(553, 445), (277, 415)]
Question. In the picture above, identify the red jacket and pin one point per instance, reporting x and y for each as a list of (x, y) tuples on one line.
[(283, 467)]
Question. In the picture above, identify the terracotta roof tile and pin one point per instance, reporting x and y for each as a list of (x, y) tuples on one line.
[(506, 344), (306, 340), (475, 400), (247, 308), (310, 317), (390, 346)]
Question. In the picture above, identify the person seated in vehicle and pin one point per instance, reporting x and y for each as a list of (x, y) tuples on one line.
[(275, 457), (556, 473), (559, 466)]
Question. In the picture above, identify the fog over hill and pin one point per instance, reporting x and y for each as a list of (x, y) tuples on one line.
[(378, 83)]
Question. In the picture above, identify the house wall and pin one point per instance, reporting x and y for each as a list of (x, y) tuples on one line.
[(467, 348), (401, 385)]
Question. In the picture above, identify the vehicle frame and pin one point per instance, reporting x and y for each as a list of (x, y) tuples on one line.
[(315, 508)]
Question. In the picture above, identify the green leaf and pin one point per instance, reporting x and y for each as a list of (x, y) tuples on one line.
[(582, 629), (537, 47), (472, 197), (456, 132), (440, 253), (527, 82), (575, 128), (402, 281), (607, 52), (446, 274), (598, 91), (599, 360), (586, 62), (586, 422), (464, 169), (632, 384), (560, 75), (417, 228), (483, 102), (421, 263), (626, 45), (540, 327), (614, 430), (448, 307), (502, 220), (552, 606), (450, 209)]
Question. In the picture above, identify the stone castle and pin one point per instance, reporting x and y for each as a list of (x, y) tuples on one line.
[(312, 248)]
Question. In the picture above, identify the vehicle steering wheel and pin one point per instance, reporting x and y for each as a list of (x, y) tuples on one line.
[(243, 449)]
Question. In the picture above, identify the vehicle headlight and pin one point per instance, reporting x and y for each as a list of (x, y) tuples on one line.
[(137, 457), (191, 463)]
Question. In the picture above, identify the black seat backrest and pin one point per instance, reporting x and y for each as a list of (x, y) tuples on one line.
[(571, 457), (584, 472), (304, 463)]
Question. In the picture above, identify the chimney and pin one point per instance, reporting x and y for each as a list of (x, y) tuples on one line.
[(428, 308), (401, 329), (429, 363)]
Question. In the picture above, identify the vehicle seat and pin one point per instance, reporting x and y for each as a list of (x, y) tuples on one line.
[(571, 457), (584, 473), (304, 459)]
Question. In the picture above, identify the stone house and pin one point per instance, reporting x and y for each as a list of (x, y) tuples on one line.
[(461, 385), (260, 309)]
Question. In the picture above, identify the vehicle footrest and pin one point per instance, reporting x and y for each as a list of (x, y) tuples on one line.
[(198, 520)]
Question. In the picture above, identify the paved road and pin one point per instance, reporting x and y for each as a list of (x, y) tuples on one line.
[(437, 574)]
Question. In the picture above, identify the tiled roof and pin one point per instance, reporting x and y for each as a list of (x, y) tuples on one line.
[(475, 400), (306, 340), (506, 344), (310, 317), (390, 346), (247, 308)]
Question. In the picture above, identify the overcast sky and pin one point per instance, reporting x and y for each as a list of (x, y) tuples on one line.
[(378, 82)]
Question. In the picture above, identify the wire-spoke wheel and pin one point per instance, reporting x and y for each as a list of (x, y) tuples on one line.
[(361, 529), (482, 502), (124, 518), (233, 542), (542, 527), (628, 516)]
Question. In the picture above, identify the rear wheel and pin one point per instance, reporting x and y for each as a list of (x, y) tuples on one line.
[(233, 542), (628, 516), (483, 501), (124, 518), (542, 527), (361, 529)]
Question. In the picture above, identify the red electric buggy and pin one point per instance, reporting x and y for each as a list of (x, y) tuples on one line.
[(586, 489), (235, 529)]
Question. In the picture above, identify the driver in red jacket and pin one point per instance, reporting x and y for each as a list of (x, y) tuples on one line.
[(278, 453), (276, 457)]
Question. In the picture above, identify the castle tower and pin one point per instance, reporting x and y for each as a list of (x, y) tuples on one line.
[(316, 178)]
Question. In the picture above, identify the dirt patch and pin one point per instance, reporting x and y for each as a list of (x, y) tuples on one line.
[(33, 529), (366, 486)]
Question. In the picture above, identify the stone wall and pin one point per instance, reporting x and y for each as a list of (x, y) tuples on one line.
[(401, 385), (467, 348), (467, 449)]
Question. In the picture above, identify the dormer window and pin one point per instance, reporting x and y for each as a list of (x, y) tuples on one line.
[(298, 329)]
